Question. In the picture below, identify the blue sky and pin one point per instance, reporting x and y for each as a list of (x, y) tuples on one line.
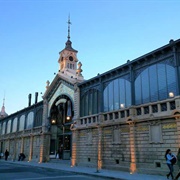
[(106, 34)]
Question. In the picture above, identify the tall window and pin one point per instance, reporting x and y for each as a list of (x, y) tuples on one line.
[(155, 83), (89, 103), (21, 122), (38, 118), (117, 94), (4, 128), (30, 120), (8, 127), (14, 126)]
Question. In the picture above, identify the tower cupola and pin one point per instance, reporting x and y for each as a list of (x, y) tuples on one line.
[(68, 59)]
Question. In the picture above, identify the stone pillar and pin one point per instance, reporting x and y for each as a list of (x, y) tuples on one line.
[(99, 149), (132, 147), (14, 153), (177, 118), (45, 137), (76, 103), (74, 147), (31, 148), (22, 145), (75, 132), (44, 148), (99, 142), (45, 122)]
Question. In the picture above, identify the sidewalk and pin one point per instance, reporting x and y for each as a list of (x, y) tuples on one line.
[(92, 171)]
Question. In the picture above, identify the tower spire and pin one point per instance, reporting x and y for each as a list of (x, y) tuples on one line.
[(3, 101), (69, 43), (2, 112), (69, 23)]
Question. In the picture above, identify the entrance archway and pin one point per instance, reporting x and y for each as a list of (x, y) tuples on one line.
[(61, 115)]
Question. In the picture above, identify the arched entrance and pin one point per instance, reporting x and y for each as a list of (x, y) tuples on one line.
[(61, 115)]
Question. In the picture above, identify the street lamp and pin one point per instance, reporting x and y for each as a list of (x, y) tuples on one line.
[(53, 121)]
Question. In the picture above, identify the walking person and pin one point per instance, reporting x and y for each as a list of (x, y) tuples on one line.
[(178, 163), (6, 154), (170, 160), (61, 152)]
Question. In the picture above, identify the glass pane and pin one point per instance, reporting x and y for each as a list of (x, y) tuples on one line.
[(86, 105), (9, 126), (82, 106), (21, 122), (145, 86), (110, 96), (30, 120), (128, 93), (14, 127), (90, 103), (171, 79), (153, 83), (4, 128), (138, 90), (95, 102), (116, 94), (122, 92), (162, 81), (38, 118), (105, 97)]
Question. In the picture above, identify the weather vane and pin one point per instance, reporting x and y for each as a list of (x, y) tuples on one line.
[(69, 23)]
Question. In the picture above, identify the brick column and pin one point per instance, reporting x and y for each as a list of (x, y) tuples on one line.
[(99, 142), (22, 145), (14, 154), (45, 137), (45, 122), (76, 103), (177, 117), (99, 149), (132, 147), (44, 148), (74, 147), (31, 148)]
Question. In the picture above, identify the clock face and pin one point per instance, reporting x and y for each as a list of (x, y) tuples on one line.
[(70, 58)]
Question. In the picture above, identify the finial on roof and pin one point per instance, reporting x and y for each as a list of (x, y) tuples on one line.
[(69, 43), (69, 23), (3, 112), (3, 101)]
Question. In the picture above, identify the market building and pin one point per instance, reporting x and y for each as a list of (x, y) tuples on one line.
[(42, 130), (123, 119), (130, 115)]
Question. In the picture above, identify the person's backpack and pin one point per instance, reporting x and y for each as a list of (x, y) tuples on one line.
[(173, 160)]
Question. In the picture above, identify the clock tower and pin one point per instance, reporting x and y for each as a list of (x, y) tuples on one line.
[(68, 60)]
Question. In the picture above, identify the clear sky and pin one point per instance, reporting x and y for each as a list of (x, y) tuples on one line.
[(106, 34)]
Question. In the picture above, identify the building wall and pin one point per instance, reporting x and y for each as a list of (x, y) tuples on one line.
[(133, 150), (27, 140), (135, 136)]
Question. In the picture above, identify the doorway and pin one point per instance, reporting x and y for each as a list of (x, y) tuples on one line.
[(65, 146)]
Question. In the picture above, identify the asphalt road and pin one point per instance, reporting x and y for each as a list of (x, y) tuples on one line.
[(9, 171)]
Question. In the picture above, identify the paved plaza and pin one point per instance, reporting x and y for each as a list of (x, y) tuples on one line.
[(64, 165)]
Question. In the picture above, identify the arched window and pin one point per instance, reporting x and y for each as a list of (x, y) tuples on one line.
[(89, 102), (21, 122), (117, 94), (8, 127), (155, 83), (30, 120), (38, 118), (4, 128), (14, 126)]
